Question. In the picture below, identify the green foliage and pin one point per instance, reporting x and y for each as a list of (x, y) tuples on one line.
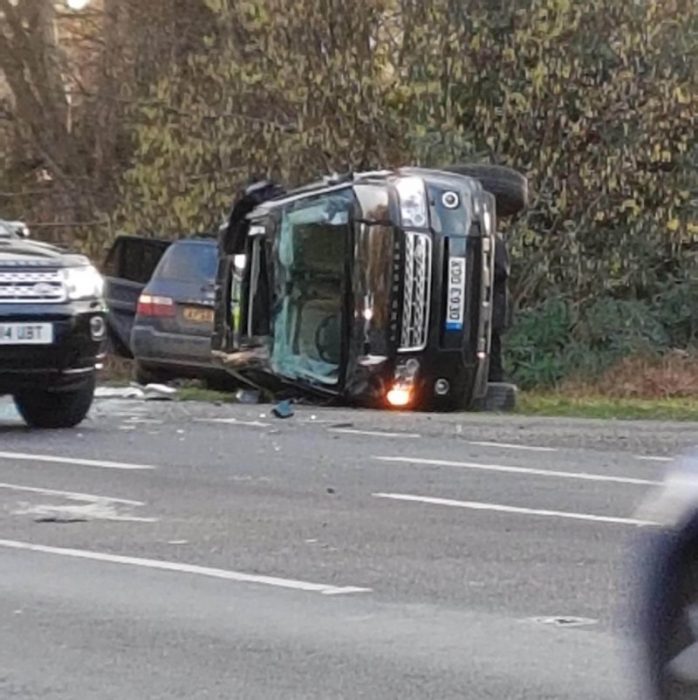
[(561, 340), (596, 102), (285, 91)]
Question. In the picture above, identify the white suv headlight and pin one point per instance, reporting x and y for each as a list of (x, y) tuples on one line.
[(413, 202), (83, 283)]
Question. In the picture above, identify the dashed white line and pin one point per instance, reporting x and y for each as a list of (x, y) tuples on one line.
[(496, 507), (512, 446), (584, 476), (75, 461), (650, 458), (373, 433), (71, 495), (293, 584)]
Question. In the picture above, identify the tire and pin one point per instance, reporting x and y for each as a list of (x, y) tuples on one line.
[(56, 409), (143, 374), (500, 398), (509, 187)]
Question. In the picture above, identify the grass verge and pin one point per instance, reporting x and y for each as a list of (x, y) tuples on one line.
[(196, 393), (575, 406)]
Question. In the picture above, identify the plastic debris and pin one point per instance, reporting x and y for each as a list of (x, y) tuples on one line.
[(283, 409), (159, 392), (119, 392), (248, 396), (150, 392)]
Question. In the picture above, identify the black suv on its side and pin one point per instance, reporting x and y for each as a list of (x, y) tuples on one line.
[(373, 288), (52, 329)]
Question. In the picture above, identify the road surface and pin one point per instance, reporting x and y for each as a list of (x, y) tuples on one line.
[(183, 550)]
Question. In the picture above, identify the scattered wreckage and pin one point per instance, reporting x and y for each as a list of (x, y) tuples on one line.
[(379, 289)]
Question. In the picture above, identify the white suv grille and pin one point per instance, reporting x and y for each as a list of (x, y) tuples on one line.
[(417, 292), (18, 286)]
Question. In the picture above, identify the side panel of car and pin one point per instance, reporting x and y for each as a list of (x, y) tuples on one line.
[(174, 321), (127, 269)]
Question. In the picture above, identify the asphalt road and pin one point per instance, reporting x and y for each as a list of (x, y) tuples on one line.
[(194, 551)]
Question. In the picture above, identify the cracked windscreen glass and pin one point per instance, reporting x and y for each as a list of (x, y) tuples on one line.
[(308, 319)]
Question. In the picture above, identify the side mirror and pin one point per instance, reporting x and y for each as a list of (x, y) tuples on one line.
[(21, 230), (17, 229)]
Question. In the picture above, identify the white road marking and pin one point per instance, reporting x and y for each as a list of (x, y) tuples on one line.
[(654, 459), (373, 433), (75, 461), (474, 505), (235, 421), (584, 476), (177, 567), (71, 495), (512, 446)]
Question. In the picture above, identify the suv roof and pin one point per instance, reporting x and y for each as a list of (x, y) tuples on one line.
[(335, 182)]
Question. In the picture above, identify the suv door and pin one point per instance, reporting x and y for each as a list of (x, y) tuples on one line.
[(127, 268)]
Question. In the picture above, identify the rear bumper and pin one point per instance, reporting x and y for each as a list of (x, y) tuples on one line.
[(171, 349), (66, 363)]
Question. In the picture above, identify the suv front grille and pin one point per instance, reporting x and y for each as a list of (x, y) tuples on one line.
[(416, 292), (28, 286)]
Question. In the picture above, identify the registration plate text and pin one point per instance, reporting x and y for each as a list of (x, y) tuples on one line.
[(26, 333), (455, 301)]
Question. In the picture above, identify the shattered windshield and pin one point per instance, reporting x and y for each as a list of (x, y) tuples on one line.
[(310, 279)]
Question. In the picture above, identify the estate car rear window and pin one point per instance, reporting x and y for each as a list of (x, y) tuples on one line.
[(188, 262)]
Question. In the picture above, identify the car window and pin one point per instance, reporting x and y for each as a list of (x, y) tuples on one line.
[(134, 259), (189, 262)]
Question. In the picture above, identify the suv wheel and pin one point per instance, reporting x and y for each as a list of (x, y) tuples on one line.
[(56, 409), (509, 187)]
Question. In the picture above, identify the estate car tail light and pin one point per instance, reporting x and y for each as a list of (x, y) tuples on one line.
[(161, 307)]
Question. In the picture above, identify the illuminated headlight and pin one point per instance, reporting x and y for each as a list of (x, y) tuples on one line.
[(413, 202), (402, 391), (83, 283)]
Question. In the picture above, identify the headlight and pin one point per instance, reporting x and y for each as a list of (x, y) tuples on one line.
[(83, 282), (413, 202)]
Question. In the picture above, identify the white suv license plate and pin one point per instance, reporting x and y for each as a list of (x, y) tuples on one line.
[(26, 333), (455, 301)]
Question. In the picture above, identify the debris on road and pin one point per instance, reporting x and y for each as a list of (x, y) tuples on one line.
[(63, 519), (248, 396), (159, 392), (119, 392), (149, 392), (283, 409), (564, 621)]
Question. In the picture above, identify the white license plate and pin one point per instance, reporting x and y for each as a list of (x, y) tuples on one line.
[(26, 333), (455, 301)]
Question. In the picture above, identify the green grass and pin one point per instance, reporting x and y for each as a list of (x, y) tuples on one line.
[(542, 404), (195, 393)]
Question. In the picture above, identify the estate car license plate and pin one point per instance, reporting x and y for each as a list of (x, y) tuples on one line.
[(26, 333), (455, 301), (198, 315)]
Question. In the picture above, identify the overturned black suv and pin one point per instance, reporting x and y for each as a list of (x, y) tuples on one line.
[(52, 328), (373, 289)]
